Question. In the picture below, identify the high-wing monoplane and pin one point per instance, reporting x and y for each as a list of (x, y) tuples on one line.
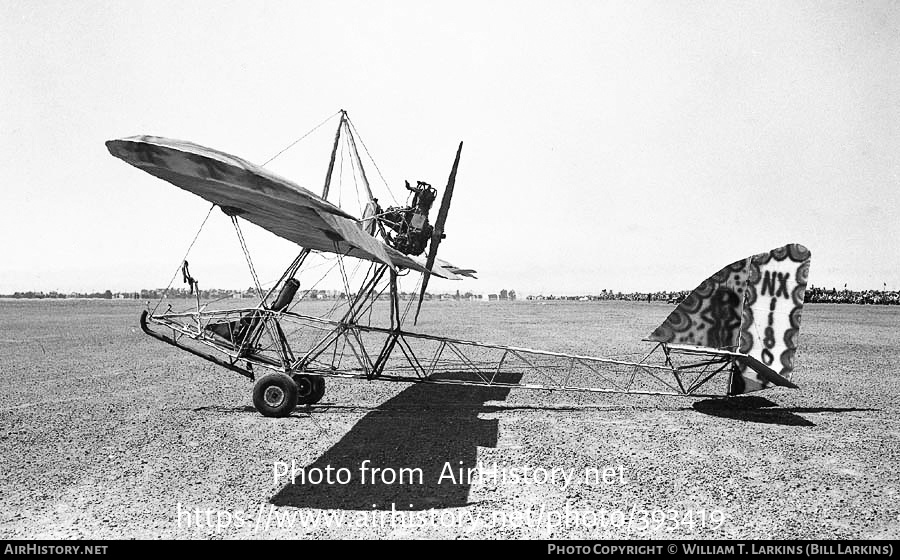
[(735, 333)]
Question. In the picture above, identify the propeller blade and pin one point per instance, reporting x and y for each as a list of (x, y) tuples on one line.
[(438, 233)]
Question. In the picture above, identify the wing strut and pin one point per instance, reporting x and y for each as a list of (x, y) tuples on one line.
[(337, 139)]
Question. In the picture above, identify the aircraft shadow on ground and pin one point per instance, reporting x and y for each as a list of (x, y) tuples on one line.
[(405, 432), (762, 410)]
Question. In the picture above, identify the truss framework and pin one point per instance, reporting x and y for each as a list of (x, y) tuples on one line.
[(294, 343)]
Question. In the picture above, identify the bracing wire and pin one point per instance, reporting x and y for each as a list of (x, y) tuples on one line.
[(186, 253), (240, 235), (412, 299), (295, 142), (383, 180)]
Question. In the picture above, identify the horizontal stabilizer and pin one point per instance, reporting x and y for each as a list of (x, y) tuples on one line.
[(763, 371)]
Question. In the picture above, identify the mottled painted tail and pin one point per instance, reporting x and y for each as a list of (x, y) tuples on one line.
[(751, 306)]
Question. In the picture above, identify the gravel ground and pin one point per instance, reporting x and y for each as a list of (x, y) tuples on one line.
[(108, 433)]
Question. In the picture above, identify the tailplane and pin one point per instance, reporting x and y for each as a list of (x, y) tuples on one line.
[(752, 307)]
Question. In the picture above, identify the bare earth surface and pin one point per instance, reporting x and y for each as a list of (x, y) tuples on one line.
[(108, 433)]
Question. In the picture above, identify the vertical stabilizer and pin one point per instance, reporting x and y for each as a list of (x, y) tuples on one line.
[(751, 306), (770, 322)]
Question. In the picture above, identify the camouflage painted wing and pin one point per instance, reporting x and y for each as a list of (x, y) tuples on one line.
[(259, 196)]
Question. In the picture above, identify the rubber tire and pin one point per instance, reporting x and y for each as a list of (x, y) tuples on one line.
[(289, 391), (320, 388), (310, 388)]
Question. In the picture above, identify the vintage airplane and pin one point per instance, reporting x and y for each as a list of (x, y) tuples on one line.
[(737, 332)]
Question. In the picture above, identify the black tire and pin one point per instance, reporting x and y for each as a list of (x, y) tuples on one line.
[(275, 395), (320, 388), (310, 388)]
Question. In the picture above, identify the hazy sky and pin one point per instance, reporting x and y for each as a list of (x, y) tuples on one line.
[(618, 145)]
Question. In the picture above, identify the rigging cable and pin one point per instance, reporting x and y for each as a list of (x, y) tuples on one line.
[(412, 299), (177, 270), (240, 235), (361, 141), (294, 143)]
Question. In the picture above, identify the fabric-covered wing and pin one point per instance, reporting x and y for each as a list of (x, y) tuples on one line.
[(256, 194), (264, 198)]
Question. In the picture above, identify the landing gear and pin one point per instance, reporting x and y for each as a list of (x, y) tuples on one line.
[(310, 388), (275, 395)]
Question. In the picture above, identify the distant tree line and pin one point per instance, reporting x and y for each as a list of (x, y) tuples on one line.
[(609, 295), (108, 294)]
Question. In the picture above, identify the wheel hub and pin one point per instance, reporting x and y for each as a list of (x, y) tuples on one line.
[(273, 396), (304, 385)]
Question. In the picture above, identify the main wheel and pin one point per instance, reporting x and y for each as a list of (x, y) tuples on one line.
[(310, 388), (275, 395)]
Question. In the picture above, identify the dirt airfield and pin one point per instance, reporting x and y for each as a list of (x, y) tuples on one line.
[(108, 433)]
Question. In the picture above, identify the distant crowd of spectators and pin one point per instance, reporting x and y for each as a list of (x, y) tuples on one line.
[(813, 295), (865, 297)]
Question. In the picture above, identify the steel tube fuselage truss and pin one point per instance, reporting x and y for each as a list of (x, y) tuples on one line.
[(347, 348)]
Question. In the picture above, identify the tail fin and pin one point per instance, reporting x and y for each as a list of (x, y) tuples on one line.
[(752, 306)]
